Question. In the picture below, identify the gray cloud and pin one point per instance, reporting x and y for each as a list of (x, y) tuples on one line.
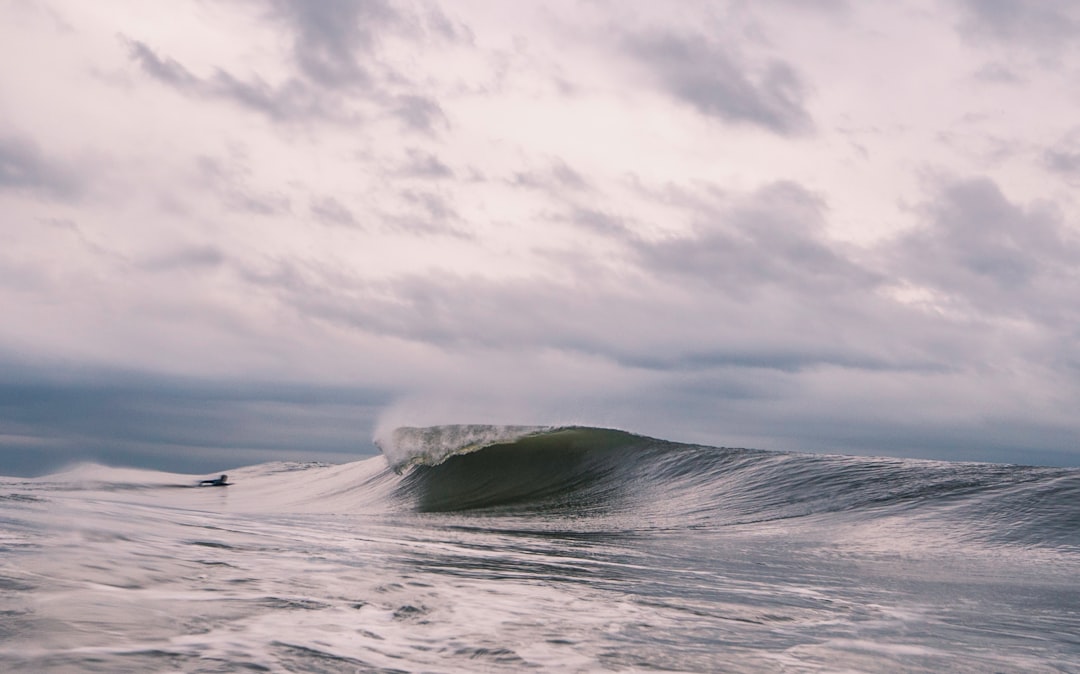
[(426, 212), (556, 178), (431, 203), (602, 223), (338, 71), (328, 36), (707, 77), (261, 204), (449, 311), (329, 210), (772, 237), (1039, 25), (791, 299), (165, 70), (191, 426), (789, 359), (436, 23), (635, 330), (985, 252), (1063, 161), (1013, 440), (336, 47), (189, 257), (420, 113), (420, 164), (998, 73), (226, 178), (1064, 157), (23, 166), (294, 100), (679, 299)]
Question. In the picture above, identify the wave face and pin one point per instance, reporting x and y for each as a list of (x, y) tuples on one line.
[(503, 549), (594, 471), (523, 469)]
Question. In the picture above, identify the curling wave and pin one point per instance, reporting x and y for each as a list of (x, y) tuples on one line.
[(616, 480), (589, 471)]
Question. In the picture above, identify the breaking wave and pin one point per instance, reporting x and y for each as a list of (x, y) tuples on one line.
[(625, 481), (582, 471)]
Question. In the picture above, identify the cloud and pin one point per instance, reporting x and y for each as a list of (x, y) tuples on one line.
[(338, 74), (25, 167), (187, 257), (1063, 162), (980, 251), (293, 100), (165, 70), (556, 178), (420, 113), (602, 223), (1050, 24), (421, 164), (789, 299), (998, 73), (708, 77), (377, 192), (467, 315), (330, 211), (423, 212), (1064, 157), (192, 426), (329, 36), (774, 236), (227, 178)]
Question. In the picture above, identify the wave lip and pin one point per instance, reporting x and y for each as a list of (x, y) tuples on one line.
[(410, 446)]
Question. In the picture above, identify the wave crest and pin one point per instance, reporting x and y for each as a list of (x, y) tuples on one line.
[(410, 446)]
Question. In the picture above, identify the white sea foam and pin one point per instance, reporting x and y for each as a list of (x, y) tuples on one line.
[(407, 446)]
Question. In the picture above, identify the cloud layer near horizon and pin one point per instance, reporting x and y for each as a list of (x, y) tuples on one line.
[(249, 231)]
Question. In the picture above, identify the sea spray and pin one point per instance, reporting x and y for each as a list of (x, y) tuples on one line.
[(408, 445)]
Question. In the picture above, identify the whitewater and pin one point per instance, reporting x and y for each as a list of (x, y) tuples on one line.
[(506, 549)]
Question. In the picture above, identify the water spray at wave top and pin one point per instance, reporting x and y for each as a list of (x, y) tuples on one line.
[(484, 548)]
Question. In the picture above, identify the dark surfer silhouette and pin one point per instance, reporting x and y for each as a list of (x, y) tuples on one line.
[(222, 481)]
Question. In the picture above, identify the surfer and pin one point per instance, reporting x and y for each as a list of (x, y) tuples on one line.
[(216, 482)]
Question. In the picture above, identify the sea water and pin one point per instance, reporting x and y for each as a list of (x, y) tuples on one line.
[(481, 549)]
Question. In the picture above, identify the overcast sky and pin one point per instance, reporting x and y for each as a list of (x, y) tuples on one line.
[(233, 232)]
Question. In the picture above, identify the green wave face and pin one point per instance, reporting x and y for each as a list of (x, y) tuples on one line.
[(575, 469), (580, 471), (410, 446)]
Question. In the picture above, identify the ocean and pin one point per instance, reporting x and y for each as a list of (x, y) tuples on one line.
[(507, 549)]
